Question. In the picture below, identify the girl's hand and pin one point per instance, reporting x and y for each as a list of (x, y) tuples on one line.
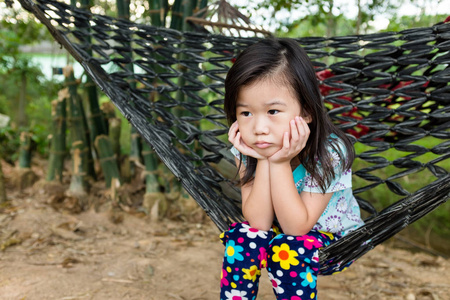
[(234, 136), (293, 143)]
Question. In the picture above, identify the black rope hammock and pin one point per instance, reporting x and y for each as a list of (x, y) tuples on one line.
[(388, 90)]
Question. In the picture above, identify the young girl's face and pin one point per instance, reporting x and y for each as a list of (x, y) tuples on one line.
[(263, 111)]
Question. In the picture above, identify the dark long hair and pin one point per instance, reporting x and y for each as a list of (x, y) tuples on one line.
[(285, 62)]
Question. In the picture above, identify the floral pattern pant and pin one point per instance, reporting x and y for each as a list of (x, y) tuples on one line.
[(292, 262)]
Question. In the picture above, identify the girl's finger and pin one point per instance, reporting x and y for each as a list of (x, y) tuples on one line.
[(301, 127), (237, 140), (232, 131), (231, 135), (294, 130), (286, 140), (306, 127)]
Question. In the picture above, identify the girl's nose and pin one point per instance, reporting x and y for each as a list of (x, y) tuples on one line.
[(261, 126)]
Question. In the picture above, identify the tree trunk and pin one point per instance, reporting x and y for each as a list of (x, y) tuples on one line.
[(58, 144)]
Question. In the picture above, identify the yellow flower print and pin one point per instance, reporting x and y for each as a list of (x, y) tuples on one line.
[(276, 230), (251, 273), (285, 256), (340, 270), (329, 234)]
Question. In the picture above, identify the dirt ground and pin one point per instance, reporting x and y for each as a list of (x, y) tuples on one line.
[(51, 253)]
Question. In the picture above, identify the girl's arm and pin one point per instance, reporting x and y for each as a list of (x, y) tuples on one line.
[(256, 198), (297, 214)]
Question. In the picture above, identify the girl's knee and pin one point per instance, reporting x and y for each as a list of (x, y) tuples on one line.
[(243, 232), (286, 251)]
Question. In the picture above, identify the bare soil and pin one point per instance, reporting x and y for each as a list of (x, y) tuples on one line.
[(50, 251)]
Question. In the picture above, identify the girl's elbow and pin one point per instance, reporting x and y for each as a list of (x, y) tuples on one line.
[(298, 229), (260, 223), (296, 232), (263, 226)]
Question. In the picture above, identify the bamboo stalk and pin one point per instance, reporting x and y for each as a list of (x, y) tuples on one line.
[(157, 14), (108, 160), (58, 144), (177, 15), (97, 124), (77, 119), (173, 186), (123, 12), (22, 116), (151, 167), (188, 10), (25, 150), (25, 177), (2, 183), (136, 145), (80, 149), (78, 183), (114, 136), (203, 4), (154, 200)]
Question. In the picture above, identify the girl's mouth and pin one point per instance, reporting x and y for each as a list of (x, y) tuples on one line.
[(262, 145)]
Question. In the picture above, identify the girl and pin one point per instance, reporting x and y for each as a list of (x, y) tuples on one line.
[(294, 166)]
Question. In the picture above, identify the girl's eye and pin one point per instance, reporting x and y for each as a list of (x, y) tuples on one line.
[(273, 112), (246, 113)]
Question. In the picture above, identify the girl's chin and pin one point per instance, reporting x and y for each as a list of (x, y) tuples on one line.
[(267, 152)]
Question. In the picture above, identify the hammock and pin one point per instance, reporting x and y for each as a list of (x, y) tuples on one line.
[(388, 90)]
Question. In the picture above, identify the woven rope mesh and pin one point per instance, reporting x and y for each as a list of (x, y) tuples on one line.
[(389, 91)]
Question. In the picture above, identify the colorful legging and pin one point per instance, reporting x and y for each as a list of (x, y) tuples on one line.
[(292, 262)]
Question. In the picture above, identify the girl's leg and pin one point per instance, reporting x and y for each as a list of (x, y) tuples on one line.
[(293, 264), (245, 255)]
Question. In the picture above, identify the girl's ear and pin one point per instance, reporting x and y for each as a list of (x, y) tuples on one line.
[(307, 118)]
